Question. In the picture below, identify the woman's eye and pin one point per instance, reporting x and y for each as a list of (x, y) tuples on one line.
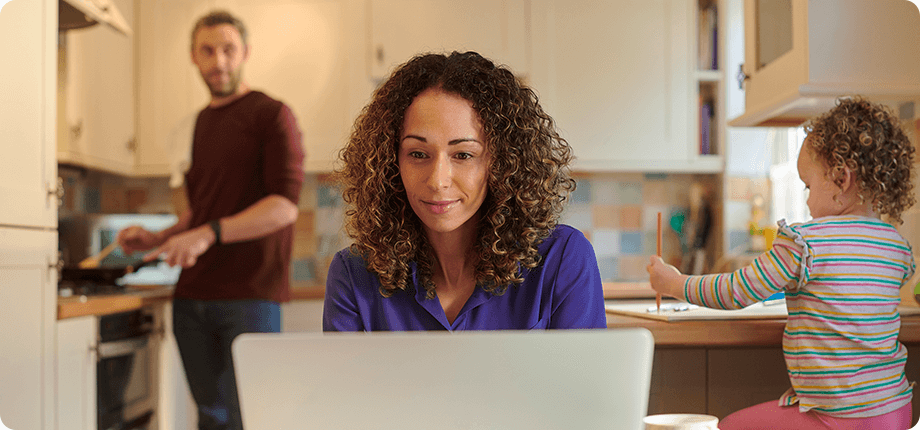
[(417, 154), (464, 155)]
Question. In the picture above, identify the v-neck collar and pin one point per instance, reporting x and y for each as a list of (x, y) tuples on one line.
[(434, 308)]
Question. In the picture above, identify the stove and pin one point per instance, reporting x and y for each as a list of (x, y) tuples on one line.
[(88, 288), (84, 235)]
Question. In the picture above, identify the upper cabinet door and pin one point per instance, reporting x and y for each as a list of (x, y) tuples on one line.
[(97, 120), (169, 89), (400, 29), (28, 171), (801, 55), (308, 53), (617, 78)]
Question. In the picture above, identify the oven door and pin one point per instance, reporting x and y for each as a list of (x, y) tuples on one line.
[(125, 391)]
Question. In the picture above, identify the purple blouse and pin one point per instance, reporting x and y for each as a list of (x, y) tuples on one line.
[(563, 292)]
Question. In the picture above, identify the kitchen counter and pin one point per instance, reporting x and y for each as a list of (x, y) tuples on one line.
[(730, 333), (134, 297), (723, 333)]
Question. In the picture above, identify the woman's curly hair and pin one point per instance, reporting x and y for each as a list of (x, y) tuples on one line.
[(528, 181), (867, 139)]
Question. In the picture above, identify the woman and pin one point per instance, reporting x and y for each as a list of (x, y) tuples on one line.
[(455, 179)]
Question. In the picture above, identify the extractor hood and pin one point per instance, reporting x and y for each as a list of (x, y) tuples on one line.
[(73, 14)]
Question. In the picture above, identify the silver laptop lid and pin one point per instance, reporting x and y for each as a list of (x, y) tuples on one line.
[(571, 379)]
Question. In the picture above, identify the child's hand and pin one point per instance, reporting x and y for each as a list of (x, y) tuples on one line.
[(665, 278)]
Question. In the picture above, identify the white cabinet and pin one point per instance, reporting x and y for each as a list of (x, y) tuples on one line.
[(169, 87), (28, 172), (96, 119), (28, 215), (309, 54), (800, 55), (400, 29), (175, 407), (619, 78), (302, 316), (76, 372), (28, 297)]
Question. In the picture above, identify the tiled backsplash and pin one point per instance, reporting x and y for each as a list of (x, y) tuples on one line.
[(617, 212)]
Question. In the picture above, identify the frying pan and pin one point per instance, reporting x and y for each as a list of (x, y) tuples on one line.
[(102, 275)]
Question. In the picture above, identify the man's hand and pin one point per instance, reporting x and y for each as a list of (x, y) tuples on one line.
[(136, 238), (184, 248)]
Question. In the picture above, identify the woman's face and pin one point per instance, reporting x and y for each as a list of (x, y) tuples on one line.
[(444, 161)]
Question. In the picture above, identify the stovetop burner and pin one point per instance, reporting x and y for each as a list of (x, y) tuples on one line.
[(87, 288)]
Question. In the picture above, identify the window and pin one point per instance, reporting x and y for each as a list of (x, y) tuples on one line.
[(788, 190)]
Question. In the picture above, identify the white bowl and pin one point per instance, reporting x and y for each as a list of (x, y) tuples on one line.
[(681, 422)]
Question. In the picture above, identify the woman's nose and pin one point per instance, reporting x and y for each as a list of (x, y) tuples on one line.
[(440, 176)]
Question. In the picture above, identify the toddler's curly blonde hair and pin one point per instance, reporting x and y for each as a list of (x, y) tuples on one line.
[(866, 138)]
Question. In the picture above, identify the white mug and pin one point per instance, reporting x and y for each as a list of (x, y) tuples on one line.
[(681, 422)]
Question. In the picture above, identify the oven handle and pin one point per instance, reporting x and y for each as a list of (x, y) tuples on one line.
[(121, 347)]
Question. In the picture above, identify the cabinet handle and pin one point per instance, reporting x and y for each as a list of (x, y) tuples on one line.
[(57, 265), (132, 144), (379, 55), (57, 191), (76, 131), (742, 76)]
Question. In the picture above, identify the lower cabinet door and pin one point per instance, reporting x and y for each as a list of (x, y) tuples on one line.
[(76, 373)]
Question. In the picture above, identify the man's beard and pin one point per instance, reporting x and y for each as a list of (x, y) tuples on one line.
[(228, 89)]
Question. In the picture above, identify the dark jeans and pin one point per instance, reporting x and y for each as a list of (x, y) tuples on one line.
[(204, 331)]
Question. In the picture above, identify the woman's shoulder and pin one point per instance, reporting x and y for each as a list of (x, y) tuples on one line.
[(565, 237), (566, 233)]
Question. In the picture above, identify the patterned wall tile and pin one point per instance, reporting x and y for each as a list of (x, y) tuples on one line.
[(631, 243), (605, 216), (582, 193), (658, 193), (630, 193), (579, 216), (606, 242), (304, 235), (650, 216), (631, 217), (609, 268), (303, 270), (632, 268)]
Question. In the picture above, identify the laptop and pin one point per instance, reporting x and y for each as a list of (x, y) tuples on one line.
[(564, 379)]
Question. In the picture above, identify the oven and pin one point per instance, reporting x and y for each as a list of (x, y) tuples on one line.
[(126, 378)]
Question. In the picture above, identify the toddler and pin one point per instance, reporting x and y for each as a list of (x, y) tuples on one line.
[(840, 272)]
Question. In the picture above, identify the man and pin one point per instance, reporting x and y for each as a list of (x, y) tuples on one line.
[(234, 239)]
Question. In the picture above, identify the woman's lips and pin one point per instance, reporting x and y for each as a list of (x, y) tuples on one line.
[(439, 207)]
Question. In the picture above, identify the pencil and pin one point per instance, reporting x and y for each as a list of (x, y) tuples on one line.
[(658, 242)]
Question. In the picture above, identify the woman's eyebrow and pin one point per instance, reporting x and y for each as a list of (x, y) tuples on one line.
[(452, 142)]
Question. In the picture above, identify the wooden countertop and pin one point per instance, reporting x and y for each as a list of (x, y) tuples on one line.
[(612, 290), (133, 298), (723, 333), (730, 333)]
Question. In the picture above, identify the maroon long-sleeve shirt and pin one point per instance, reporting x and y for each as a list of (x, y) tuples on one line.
[(241, 153)]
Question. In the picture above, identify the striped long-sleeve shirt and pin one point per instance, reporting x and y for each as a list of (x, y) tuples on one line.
[(841, 276)]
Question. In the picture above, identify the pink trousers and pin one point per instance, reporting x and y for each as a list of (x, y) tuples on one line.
[(771, 416)]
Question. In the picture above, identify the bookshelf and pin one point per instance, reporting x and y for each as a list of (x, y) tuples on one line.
[(709, 79)]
